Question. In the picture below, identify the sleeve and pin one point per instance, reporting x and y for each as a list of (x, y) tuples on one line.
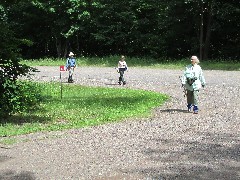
[(183, 78), (67, 64), (75, 62), (118, 64), (201, 77)]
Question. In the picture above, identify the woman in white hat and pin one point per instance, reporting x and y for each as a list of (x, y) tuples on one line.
[(70, 65), (193, 80)]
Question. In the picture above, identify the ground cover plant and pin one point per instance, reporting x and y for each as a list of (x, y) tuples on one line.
[(111, 61), (80, 107)]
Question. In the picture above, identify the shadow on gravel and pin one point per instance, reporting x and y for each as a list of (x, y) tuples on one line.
[(214, 156), (4, 158), (24, 175), (174, 110)]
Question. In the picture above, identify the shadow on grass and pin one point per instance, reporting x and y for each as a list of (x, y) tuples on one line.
[(215, 156), (21, 119), (104, 101)]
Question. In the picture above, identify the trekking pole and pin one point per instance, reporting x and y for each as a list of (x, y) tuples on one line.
[(117, 69), (184, 89)]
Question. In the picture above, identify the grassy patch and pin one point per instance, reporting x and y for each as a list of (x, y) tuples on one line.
[(80, 107), (111, 61)]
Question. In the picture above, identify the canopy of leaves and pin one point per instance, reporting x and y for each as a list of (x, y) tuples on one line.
[(172, 29)]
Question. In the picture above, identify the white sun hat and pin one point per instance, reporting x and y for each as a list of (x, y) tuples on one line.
[(71, 54)]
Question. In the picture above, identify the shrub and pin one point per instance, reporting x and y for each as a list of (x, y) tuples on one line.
[(18, 96)]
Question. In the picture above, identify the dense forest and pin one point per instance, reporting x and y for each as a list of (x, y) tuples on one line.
[(149, 28)]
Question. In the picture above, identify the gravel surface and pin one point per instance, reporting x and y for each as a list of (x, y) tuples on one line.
[(172, 144)]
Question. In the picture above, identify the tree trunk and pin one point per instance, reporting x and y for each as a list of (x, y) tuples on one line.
[(208, 33), (201, 35), (65, 50), (58, 46)]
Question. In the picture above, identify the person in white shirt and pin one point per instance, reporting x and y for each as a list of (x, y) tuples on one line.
[(193, 80), (122, 67)]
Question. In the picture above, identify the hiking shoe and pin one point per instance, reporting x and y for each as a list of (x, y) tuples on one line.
[(119, 83), (189, 106), (124, 82), (195, 110)]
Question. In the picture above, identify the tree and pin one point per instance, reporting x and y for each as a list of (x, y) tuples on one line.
[(218, 18), (10, 68), (65, 22), (172, 29)]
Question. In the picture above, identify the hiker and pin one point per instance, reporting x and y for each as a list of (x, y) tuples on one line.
[(193, 80), (70, 66), (122, 67)]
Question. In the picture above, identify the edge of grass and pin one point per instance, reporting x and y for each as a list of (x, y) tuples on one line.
[(89, 106), (111, 61)]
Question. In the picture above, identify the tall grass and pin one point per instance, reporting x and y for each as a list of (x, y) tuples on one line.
[(81, 106), (111, 61)]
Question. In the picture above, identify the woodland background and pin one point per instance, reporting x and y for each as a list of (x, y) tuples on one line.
[(139, 28)]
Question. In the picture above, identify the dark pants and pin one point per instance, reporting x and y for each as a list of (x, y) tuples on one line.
[(121, 72), (192, 97), (70, 77)]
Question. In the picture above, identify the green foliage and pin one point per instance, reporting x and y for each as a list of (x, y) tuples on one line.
[(29, 95), (10, 69), (81, 107), (18, 96), (217, 64), (139, 28)]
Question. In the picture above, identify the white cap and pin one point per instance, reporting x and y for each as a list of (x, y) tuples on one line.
[(71, 54)]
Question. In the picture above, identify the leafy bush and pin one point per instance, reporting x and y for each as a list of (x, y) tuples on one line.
[(18, 96), (13, 97)]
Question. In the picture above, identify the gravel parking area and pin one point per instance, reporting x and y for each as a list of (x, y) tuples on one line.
[(172, 144)]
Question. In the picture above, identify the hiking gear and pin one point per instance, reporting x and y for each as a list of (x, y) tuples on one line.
[(71, 54), (183, 86), (70, 79), (195, 109), (124, 82), (193, 78), (190, 81), (71, 62), (189, 106)]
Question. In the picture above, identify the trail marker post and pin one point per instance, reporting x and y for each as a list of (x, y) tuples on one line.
[(62, 68)]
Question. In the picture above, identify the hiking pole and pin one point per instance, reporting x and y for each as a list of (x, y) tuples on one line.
[(117, 69), (184, 89)]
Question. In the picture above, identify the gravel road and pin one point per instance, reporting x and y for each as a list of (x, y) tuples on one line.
[(172, 144)]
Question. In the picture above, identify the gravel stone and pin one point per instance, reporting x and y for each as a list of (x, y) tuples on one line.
[(171, 144)]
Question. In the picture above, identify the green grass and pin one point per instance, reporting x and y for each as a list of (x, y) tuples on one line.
[(88, 106), (111, 61), (81, 107)]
